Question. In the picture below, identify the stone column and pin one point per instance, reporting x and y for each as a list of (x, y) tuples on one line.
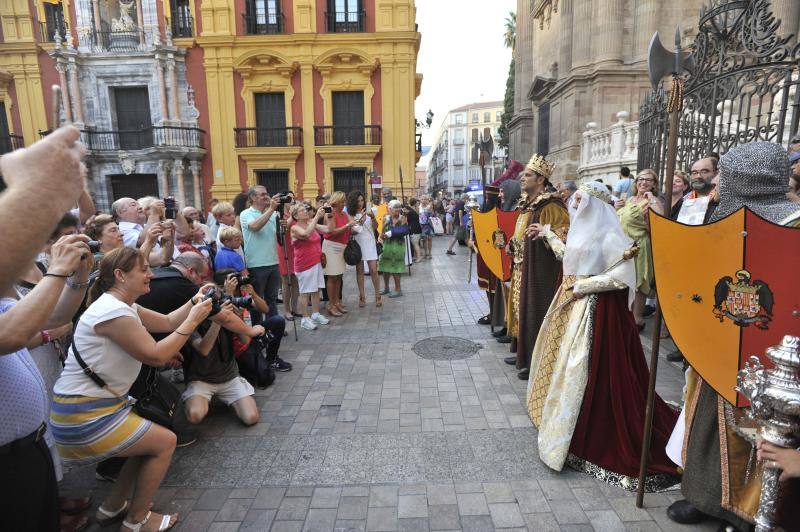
[(581, 40), (163, 178), (646, 25), (140, 21), (565, 44), (65, 90), (75, 90), (96, 12), (162, 88), (174, 109), (194, 167), (607, 39), (179, 174), (788, 12)]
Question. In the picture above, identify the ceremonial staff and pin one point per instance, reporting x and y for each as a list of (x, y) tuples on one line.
[(661, 62)]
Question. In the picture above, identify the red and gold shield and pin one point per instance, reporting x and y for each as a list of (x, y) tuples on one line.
[(727, 290), (493, 229)]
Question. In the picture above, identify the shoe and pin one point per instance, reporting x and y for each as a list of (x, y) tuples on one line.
[(288, 317), (308, 324), (395, 294), (524, 374), (186, 437), (486, 320), (451, 252), (648, 311), (499, 334), (281, 365), (504, 340), (685, 513), (296, 315), (511, 361), (675, 356), (384, 291), (319, 319)]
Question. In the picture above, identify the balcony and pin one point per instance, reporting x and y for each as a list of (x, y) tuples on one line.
[(9, 143), (347, 135), (345, 21), (117, 41), (419, 142), (458, 141), (181, 25), (269, 24), (141, 139), (254, 137), (50, 29), (604, 151)]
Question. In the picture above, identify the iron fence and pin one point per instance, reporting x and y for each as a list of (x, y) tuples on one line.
[(10, 142), (181, 25), (141, 139), (49, 29), (252, 137), (267, 24), (347, 135)]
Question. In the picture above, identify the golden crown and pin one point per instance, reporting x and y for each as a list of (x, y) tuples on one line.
[(540, 165)]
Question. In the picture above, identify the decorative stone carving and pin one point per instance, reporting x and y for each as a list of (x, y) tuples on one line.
[(128, 163), (193, 113), (125, 21)]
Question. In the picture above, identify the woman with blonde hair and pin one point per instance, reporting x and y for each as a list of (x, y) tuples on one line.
[(634, 215), (339, 226), (92, 416)]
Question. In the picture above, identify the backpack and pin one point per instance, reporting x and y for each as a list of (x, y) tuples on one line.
[(255, 366)]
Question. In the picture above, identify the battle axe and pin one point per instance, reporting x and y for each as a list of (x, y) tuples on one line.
[(661, 62)]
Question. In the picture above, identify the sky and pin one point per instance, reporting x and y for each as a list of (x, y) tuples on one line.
[(462, 57)]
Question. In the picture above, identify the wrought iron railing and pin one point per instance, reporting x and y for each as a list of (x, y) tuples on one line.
[(345, 21), (419, 142), (10, 142), (255, 137), (347, 135), (141, 139), (181, 25), (117, 41), (50, 29), (268, 24)]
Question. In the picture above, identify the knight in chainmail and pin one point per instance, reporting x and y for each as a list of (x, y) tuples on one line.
[(717, 460)]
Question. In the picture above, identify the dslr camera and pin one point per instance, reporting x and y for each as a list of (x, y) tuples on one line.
[(217, 298), (243, 279)]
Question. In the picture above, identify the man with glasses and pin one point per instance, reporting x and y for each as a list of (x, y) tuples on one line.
[(697, 205)]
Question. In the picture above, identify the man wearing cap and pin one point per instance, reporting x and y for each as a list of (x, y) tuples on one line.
[(535, 270), (716, 459)]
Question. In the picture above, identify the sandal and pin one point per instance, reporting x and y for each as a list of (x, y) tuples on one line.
[(74, 506), (109, 517), (362, 302), (72, 523), (166, 519), (378, 302), (335, 313)]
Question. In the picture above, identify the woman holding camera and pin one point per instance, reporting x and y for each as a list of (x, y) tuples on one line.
[(393, 258), (333, 246), (306, 241), (365, 232), (93, 422)]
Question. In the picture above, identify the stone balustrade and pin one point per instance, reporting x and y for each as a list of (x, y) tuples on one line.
[(604, 151)]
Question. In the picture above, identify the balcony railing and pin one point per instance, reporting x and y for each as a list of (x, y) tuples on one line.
[(254, 137), (9, 143), (117, 41), (182, 25), (419, 142), (604, 151), (49, 30), (270, 24), (345, 21), (141, 139), (347, 135)]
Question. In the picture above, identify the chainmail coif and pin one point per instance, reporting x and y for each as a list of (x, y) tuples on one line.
[(755, 175)]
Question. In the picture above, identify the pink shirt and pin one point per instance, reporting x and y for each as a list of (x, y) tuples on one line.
[(307, 252), (341, 221)]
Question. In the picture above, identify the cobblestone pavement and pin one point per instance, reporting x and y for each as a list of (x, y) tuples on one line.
[(364, 434)]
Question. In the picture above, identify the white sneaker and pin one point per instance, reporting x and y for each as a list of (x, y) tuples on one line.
[(319, 319), (308, 324)]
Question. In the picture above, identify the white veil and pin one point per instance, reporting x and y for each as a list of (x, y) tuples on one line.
[(595, 239)]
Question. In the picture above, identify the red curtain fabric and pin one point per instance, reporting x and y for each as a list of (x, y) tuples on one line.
[(610, 427)]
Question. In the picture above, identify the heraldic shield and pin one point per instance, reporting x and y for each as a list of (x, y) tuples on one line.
[(493, 229), (727, 290)]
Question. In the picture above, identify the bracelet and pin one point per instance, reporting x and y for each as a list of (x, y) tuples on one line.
[(76, 285), (60, 276), (46, 338), (182, 334)]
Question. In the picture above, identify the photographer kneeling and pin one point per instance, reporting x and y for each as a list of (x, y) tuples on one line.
[(211, 366)]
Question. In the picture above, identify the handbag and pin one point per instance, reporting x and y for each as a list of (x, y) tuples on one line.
[(156, 403), (438, 229), (352, 252)]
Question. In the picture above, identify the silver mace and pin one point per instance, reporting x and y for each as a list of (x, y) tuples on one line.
[(628, 254), (775, 404)]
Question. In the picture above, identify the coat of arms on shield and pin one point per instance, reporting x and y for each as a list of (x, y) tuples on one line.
[(727, 291), (743, 301)]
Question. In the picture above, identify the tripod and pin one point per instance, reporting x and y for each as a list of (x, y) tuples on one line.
[(281, 235)]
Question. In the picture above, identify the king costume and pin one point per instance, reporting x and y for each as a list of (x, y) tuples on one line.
[(587, 388)]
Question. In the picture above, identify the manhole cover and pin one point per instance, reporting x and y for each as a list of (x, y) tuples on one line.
[(445, 348)]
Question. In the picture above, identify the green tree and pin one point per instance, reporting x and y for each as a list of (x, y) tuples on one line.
[(508, 108)]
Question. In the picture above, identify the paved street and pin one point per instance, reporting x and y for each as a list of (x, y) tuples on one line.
[(366, 435)]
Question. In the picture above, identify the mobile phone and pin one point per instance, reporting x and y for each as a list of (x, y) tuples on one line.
[(328, 210), (623, 196), (169, 208)]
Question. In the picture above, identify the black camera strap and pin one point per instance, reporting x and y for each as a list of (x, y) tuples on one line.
[(86, 369)]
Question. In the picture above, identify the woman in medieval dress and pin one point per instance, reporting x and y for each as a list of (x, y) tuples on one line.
[(587, 388)]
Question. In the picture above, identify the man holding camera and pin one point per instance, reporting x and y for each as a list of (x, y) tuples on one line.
[(259, 227)]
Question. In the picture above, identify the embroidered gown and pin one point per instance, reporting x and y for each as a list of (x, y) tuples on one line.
[(587, 388)]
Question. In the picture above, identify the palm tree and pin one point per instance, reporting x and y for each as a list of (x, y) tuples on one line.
[(510, 35)]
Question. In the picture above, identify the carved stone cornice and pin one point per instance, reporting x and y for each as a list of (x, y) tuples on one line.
[(543, 10)]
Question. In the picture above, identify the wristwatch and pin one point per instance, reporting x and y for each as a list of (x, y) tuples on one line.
[(75, 285)]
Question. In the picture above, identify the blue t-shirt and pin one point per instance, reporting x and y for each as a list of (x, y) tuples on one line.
[(260, 247), (228, 258)]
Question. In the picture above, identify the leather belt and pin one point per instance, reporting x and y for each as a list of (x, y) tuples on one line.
[(31, 439)]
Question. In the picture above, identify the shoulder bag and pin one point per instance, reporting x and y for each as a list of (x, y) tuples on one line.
[(156, 403), (352, 252)]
